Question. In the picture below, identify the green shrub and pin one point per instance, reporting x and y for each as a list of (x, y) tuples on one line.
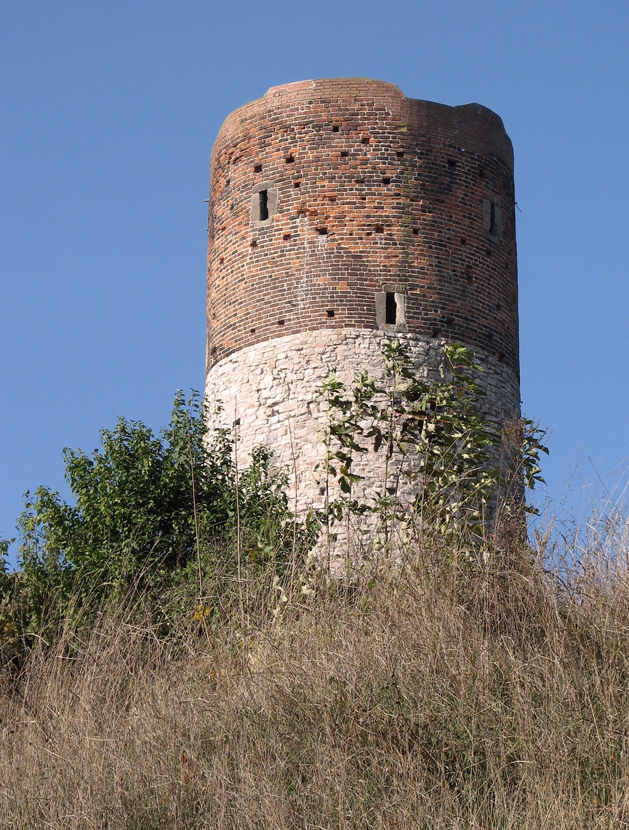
[(145, 511)]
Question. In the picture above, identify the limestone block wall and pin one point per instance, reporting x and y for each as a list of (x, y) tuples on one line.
[(271, 388)]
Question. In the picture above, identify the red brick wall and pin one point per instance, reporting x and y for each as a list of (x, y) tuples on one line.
[(399, 190)]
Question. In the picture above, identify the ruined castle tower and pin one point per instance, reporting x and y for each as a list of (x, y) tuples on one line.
[(343, 214)]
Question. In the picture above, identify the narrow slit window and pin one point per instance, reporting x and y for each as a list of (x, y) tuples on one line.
[(391, 308), (492, 217), (263, 211), (495, 220), (263, 204)]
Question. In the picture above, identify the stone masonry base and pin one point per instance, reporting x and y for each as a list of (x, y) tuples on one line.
[(272, 389)]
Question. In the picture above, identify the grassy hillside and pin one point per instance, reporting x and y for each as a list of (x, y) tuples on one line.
[(434, 694)]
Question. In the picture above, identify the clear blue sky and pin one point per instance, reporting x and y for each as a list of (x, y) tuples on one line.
[(108, 112)]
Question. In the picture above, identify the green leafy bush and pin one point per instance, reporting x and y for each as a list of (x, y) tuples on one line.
[(149, 513)]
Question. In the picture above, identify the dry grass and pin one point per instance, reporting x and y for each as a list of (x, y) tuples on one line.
[(430, 697)]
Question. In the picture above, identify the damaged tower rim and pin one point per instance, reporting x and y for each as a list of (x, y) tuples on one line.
[(343, 214)]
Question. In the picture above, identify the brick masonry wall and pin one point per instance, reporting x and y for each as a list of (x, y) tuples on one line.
[(374, 191)]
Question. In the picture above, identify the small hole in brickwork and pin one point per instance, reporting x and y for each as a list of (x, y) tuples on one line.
[(286, 237), (257, 168), (221, 260), (415, 231), (214, 349), (322, 231), (330, 312), (488, 251), (290, 159), (391, 490), (386, 180), (296, 184), (449, 321), (344, 154), (435, 332), (334, 537), (322, 491), (379, 228), (451, 163), (400, 154), (365, 139), (501, 357), (280, 322), (252, 331), (481, 172), (254, 243), (468, 273), (463, 241), (335, 128)]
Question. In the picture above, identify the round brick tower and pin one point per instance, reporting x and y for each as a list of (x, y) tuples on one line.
[(343, 214)]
